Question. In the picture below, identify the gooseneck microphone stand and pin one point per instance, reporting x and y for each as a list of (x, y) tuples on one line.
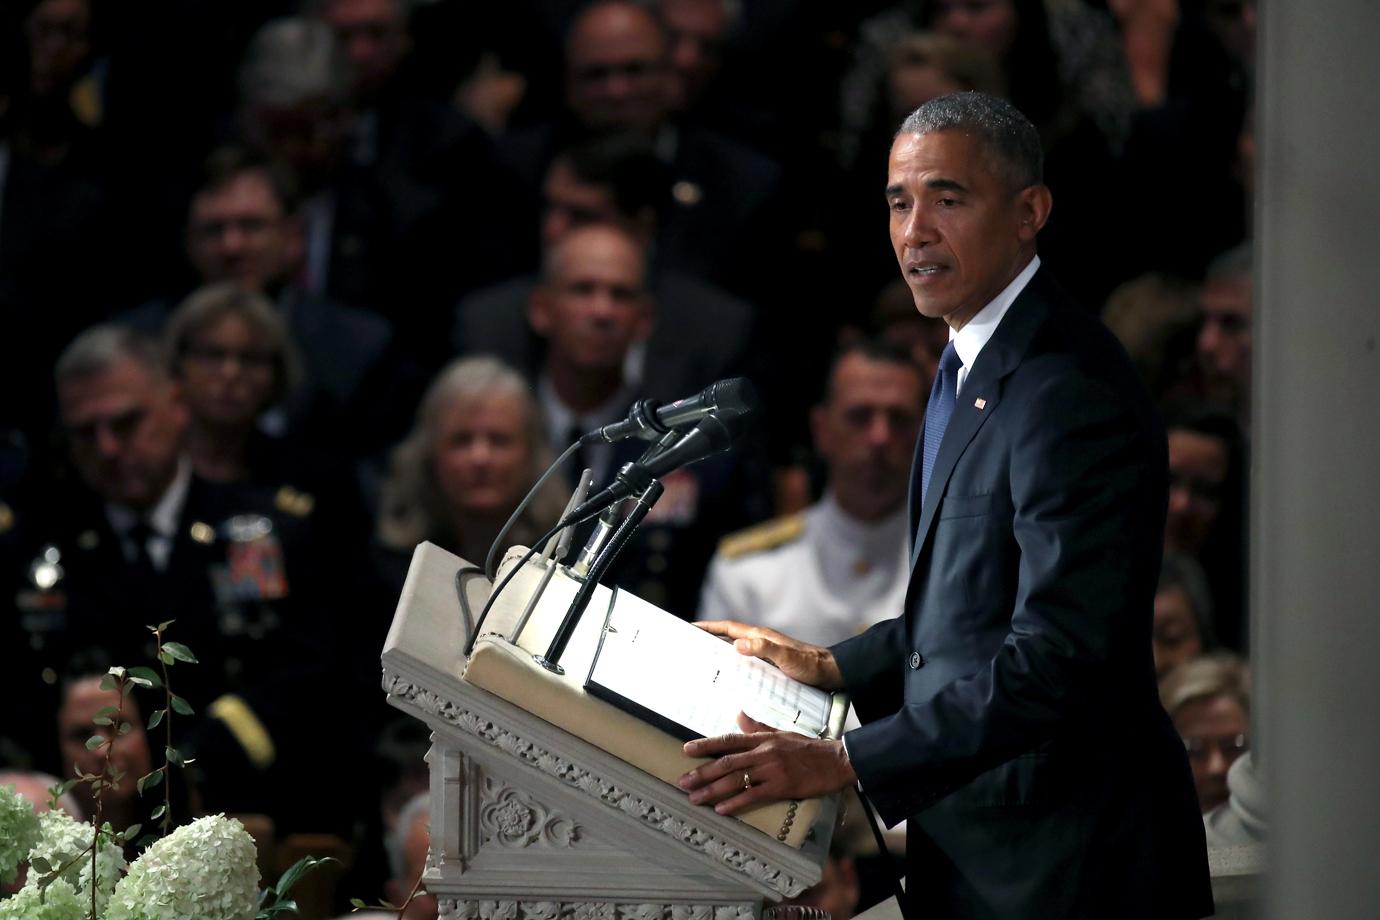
[(641, 505)]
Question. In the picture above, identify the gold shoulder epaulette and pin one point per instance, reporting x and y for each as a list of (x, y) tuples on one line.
[(764, 536), (297, 504)]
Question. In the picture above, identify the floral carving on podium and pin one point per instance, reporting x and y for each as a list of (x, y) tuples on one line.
[(578, 777), (513, 819), (588, 910)]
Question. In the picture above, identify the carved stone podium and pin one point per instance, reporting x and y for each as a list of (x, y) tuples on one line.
[(530, 822)]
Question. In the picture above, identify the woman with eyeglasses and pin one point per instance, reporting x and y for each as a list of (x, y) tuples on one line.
[(1208, 700)]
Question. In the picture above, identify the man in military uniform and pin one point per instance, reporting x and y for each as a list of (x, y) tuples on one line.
[(142, 540), (841, 565)]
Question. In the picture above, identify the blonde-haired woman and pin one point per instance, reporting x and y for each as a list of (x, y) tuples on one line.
[(233, 355), (1209, 701), (477, 446)]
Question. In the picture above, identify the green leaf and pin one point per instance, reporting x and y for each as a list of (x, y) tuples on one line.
[(125, 728), (94, 742), (298, 869), (149, 780), (145, 677), (158, 812), (156, 718), (182, 706), (166, 657), (103, 720), (358, 903), (131, 832), (40, 864), (109, 682), (107, 712), (180, 652), (163, 627), (172, 755)]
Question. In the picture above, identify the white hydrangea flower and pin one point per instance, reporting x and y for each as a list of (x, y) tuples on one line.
[(205, 870), (18, 832), (59, 902), (62, 838)]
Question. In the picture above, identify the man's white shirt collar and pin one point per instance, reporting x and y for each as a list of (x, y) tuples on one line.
[(162, 520), (973, 337)]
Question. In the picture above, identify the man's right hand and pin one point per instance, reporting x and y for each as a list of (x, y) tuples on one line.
[(809, 664)]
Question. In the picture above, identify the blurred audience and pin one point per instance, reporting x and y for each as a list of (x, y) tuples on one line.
[(1243, 819), (229, 349), (121, 804), (477, 447), (242, 229), (590, 309), (1156, 319), (623, 200), (1209, 701), (1182, 627), (1224, 341), (1206, 513), (698, 333), (391, 189), (140, 539), (409, 844), (727, 196), (827, 573)]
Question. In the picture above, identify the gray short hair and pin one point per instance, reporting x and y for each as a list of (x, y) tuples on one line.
[(395, 843), (99, 348), (1237, 262), (292, 61), (411, 503), (1004, 133)]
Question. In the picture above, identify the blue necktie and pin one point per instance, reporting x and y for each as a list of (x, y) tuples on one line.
[(941, 409)]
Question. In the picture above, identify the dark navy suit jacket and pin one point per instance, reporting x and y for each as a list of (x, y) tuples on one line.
[(1011, 712)]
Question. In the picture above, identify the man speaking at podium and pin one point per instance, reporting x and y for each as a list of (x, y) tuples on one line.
[(1010, 711)]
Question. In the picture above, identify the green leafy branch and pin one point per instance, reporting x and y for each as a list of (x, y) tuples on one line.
[(168, 653)]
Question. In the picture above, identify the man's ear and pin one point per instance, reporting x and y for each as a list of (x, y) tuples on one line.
[(646, 318), (1034, 203), (294, 242), (819, 430), (175, 399), (539, 310)]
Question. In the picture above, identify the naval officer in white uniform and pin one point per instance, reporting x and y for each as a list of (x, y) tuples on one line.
[(827, 573)]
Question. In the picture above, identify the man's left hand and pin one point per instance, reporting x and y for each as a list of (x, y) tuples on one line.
[(764, 766)]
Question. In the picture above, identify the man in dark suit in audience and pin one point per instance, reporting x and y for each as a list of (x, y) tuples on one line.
[(243, 227), (728, 213), (589, 310), (1009, 712), (698, 333)]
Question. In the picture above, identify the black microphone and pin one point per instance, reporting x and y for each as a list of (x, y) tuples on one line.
[(715, 432), (649, 419)]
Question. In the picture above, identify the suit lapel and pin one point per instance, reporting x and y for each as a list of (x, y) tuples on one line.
[(982, 392)]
